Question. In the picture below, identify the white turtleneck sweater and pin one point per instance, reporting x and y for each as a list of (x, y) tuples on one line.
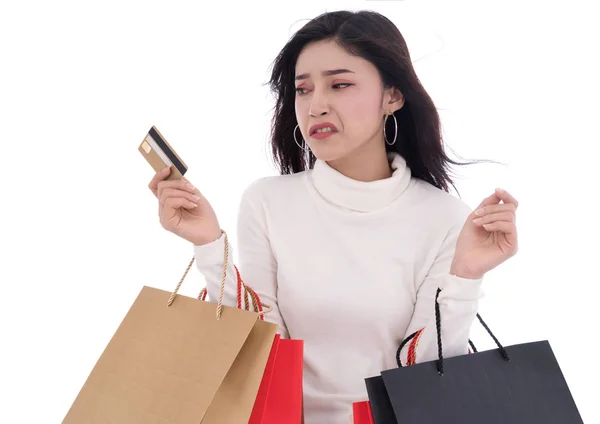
[(351, 268)]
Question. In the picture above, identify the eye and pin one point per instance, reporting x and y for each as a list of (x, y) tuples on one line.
[(345, 84)]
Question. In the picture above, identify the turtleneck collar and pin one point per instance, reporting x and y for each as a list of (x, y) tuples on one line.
[(361, 196)]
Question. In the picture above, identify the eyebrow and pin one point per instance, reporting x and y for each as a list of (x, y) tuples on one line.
[(325, 73)]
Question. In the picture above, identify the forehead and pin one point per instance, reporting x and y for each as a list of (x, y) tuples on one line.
[(325, 55)]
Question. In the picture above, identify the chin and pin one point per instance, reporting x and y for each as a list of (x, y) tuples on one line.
[(328, 155), (328, 151)]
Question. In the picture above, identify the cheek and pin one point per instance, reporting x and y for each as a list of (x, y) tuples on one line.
[(361, 116), (301, 109)]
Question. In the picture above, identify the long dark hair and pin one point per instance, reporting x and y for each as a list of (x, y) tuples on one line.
[(373, 37)]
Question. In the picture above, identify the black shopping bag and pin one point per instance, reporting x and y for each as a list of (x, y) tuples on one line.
[(519, 384), (381, 407)]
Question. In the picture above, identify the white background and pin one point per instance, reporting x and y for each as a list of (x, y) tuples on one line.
[(82, 82)]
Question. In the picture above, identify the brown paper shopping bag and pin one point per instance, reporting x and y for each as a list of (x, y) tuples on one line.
[(176, 359)]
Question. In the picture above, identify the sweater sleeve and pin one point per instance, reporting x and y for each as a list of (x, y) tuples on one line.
[(257, 264), (458, 300)]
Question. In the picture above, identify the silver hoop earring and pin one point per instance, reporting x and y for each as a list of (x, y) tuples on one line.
[(298, 144), (396, 129)]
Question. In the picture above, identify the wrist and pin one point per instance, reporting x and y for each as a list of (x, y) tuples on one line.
[(463, 272), (207, 238)]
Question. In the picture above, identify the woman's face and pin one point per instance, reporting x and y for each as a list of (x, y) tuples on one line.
[(334, 87)]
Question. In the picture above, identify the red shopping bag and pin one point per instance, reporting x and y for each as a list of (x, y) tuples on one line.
[(361, 411), (279, 397)]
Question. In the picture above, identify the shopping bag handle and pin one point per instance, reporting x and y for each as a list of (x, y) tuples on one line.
[(259, 307), (223, 277), (440, 360)]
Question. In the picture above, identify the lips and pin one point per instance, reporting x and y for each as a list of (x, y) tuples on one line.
[(323, 125)]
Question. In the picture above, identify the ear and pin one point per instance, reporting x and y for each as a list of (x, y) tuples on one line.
[(392, 100)]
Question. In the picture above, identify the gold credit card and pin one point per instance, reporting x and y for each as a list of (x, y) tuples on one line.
[(160, 154)]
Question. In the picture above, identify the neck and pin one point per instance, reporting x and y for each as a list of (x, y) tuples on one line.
[(355, 196), (369, 163)]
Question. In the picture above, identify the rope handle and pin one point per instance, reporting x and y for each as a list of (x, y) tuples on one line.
[(223, 278), (257, 304), (249, 296), (440, 361), (438, 325)]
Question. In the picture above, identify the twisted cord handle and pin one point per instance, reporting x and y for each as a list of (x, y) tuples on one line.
[(223, 278), (258, 306), (438, 326), (440, 361)]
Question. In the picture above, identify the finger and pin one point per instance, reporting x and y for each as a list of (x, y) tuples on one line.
[(168, 193), (503, 207), (180, 184), (158, 177), (505, 227), (488, 201), (506, 197), (509, 231), (493, 217), (179, 203)]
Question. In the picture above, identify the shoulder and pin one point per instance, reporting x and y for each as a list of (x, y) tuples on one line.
[(274, 187), (439, 205)]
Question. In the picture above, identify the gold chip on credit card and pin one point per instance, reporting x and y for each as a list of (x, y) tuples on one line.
[(160, 154)]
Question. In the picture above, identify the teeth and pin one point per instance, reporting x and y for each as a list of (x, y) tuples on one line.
[(322, 130)]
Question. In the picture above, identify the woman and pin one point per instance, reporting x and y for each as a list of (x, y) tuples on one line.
[(350, 244)]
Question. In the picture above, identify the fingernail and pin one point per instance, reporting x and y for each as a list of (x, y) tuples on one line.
[(196, 197), (477, 221), (190, 186), (479, 211), (487, 226)]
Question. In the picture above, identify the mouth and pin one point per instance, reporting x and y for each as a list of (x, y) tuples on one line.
[(323, 135), (324, 129)]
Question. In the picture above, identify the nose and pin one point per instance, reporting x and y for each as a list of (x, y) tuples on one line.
[(318, 106)]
